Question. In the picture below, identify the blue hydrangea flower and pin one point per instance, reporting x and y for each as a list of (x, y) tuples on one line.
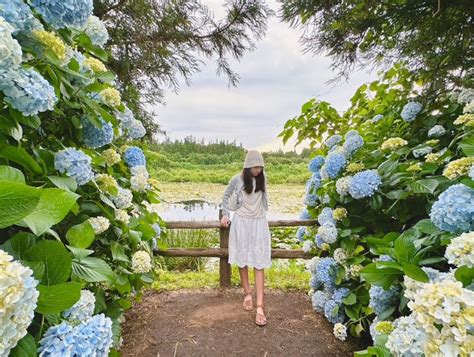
[(422, 151), (384, 258), (132, 127), (410, 111), (64, 13), (353, 142), (319, 241), (313, 183), (436, 131), (316, 163), (319, 300), (136, 130), (300, 234), (311, 199), (75, 164), (96, 31), (326, 272), (19, 15), (96, 137), (364, 184), (83, 309), (335, 162), (454, 210), (314, 283), (134, 156), (340, 294), (333, 140), (326, 216), (333, 312), (27, 91), (305, 214), (93, 337), (351, 133), (381, 300), (377, 118)]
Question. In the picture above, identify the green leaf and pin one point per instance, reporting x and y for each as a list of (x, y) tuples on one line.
[(56, 259), (57, 298), (53, 206), (118, 252), (380, 276), (423, 186), (26, 347), (387, 167), (80, 253), (8, 173), (38, 268), (467, 146), (20, 156), (92, 270), (66, 183), (427, 227), (21, 242), (16, 202), (464, 275), (81, 235), (415, 272), (350, 300)]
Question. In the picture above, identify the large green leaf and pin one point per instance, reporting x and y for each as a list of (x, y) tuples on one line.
[(92, 270), (467, 145), (57, 298), (26, 347), (423, 186), (380, 276), (427, 227), (56, 259), (20, 156), (21, 242), (8, 173), (16, 202), (66, 183), (415, 272), (465, 275), (81, 235), (53, 206)]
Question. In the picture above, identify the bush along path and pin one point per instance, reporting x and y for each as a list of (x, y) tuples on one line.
[(77, 215), (393, 193)]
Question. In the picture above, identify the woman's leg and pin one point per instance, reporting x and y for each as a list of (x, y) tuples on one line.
[(244, 278), (260, 286)]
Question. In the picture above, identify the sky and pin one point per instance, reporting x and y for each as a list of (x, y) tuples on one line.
[(275, 80)]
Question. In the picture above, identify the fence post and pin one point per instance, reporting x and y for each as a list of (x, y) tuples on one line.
[(224, 266)]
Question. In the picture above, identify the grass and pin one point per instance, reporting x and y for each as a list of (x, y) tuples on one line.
[(289, 275)]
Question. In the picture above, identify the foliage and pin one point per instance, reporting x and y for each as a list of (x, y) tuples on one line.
[(60, 178), (401, 210), (433, 38)]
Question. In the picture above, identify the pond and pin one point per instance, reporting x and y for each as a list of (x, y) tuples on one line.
[(201, 210)]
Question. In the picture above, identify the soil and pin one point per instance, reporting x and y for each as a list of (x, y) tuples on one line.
[(211, 322)]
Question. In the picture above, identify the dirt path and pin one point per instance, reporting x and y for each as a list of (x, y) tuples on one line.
[(212, 323)]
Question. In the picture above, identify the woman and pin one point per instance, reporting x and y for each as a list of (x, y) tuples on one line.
[(249, 238)]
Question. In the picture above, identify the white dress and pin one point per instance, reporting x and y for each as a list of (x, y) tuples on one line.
[(249, 237)]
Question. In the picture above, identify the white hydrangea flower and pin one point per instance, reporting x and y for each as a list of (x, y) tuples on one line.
[(100, 224), (122, 216), (307, 245), (469, 108), (311, 264), (123, 199), (340, 331), (10, 49), (83, 309), (18, 298), (328, 233), (342, 185), (139, 179), (461, 250), (340, 256), (407, 339), (141, 262)]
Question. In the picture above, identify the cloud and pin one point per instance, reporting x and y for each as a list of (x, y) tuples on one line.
[(275, 80)]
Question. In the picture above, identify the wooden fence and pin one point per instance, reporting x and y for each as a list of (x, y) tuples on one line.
[(222, 251)]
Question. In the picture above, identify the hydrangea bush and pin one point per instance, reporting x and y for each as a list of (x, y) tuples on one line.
[(397, 218), (79, 227)]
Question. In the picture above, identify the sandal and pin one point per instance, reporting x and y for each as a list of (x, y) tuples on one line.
[(260, 319), (248, 303)]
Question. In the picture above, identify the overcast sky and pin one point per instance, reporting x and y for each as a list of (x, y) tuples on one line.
[(275, 80)]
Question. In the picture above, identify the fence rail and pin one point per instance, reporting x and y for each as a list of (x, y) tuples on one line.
[(222, 252)]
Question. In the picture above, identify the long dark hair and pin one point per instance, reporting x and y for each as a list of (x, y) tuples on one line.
[(248, 184)]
